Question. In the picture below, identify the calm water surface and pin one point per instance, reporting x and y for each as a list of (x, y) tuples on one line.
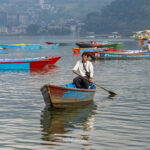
[(121, 122)]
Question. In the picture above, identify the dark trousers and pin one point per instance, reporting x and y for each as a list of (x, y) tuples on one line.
[(81, 82)]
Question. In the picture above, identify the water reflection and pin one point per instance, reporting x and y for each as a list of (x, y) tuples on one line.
[(57, 123), (46, 70), (42, 71)]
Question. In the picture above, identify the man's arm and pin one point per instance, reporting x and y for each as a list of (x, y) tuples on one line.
[(75, 68), (91, 72)]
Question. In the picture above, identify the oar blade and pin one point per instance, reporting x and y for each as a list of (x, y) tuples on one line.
[(112, 94)]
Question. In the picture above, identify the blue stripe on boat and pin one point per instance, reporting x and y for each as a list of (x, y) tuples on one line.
[(14, 66), (76, 95), (123, 56)]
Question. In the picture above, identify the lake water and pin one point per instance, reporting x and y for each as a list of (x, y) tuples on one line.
[(122, 122)]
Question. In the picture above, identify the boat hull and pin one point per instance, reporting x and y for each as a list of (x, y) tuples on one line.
[(62, 97), (119, 55), (22, 46), (82, 50), (3, 51), (29, 63), (51, 46), (62, 43), (100, 45)]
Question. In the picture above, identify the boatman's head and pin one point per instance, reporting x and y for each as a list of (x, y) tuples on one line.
[(84, 54), (84, 57)]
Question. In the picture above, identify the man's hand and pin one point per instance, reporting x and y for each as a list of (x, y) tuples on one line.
[(90, 80), (74, 71)]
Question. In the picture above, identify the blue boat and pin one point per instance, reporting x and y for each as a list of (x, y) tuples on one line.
[(3, 51), (119, 55), (12, 45), (67, 95), (52, 46), (32, 47), (22, 46)]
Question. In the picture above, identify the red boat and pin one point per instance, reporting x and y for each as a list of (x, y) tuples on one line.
[(81, 50), (28, 63)]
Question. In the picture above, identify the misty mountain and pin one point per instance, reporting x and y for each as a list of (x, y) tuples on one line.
[(79, 8), (55, 8), (123, 16)]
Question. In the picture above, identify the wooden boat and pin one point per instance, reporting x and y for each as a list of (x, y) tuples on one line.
[(66, 95), (22, 46), (32, 47), (81, 50), (12, 45), (28, 63), (50, 46), (49, 43), (3, 50), (62, 43), (66, 43), (119, 54), (94, 44)]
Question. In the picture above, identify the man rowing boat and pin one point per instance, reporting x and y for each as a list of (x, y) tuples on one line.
[(85, 68)]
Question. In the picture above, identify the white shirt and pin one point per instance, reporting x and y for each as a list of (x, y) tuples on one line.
[(88, 65)]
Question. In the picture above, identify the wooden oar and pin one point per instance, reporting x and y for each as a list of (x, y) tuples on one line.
[(110, 92)]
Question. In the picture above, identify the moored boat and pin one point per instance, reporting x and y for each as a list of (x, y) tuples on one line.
[(12, 45), (62, 43), (50, 46), (3, 50), (81, 50), (67, 95), (119, 54), (66, 43), (95, 44), (22, 46), (27, 63)]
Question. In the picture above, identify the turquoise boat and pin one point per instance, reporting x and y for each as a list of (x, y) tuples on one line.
[(52, 46), (12, 45), (3, 51), (32, 46), (67, 95), (119, 55), (22, 46)]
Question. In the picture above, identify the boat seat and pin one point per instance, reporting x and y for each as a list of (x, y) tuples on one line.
[(69, 85), (72, 85)]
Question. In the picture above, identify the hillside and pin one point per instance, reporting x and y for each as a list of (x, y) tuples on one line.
[(79, 8), (62, 8), (123, 16)]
